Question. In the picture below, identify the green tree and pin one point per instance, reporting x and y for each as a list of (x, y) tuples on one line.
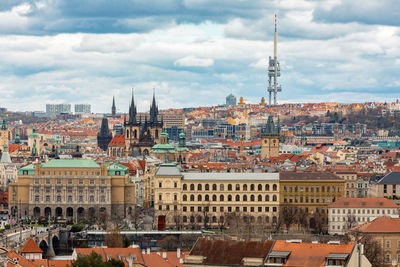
[(95, 260), (126, 242)]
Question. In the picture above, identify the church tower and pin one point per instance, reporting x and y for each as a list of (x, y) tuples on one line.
[(132, 127), (270, 139), (104, 136), (4, 133)]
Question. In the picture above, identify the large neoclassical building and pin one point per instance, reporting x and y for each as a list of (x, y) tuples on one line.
[(73, 189), (190, 198)]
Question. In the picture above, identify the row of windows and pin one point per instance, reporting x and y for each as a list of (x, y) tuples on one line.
[(221, 209), (359, 219), (362, 211), (70, 199), (69, 190), (311, 188), (70, 181), (229, 198), (230, 187), (307, 200)]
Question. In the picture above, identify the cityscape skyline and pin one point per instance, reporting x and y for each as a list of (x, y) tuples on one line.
[(330, 51)]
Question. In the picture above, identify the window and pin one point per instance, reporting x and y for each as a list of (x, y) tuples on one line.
[(237, 187), (221, 187), (80, 198), (252, 187), (252, 198), (274, 198), (102, 199), (160, 197), (91, 199), (80, 181), (199, 187), (47, 181), (229, 187), (267, 187), (245, 187), (191, 197), (58, 198), (69, 198), (387, 244), (37, 198), (206, 198), (229, 198), (47, 198), (159, 184), (274, 187), (244, 197), (237, 198), (184, 198), (207, 187), (36, 181), (184, 188), (214, 198), (191, 187), (69, 181), (259, 198), (214, 187), (221, 198), (259, 187)]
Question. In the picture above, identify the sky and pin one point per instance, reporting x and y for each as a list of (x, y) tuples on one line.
[(195, 52)]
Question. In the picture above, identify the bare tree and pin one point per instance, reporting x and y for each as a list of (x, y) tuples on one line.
[(350, 221), (206, 217), (302, 219), (136, 217), (373, 250), (288, 215), (177, 220), (103, 219), (113, 238)]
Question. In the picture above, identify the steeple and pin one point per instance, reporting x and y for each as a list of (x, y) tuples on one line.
[(17, 138), (113, 108), (4, 124), (104, 136), (153, 109), (132, 110)]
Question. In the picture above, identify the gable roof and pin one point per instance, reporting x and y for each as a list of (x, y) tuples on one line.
[(117, 140), (230, 252), (379, 225), (30, 247), (310, 254), (365, 202)]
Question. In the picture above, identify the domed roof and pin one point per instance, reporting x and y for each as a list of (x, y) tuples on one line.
[(182, 135), (164, 134)]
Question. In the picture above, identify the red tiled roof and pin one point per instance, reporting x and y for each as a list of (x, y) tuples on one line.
[(13, 147), (115, 253), (118, 140), (365, 202), (379, 225), (310, 254), (30, 247)]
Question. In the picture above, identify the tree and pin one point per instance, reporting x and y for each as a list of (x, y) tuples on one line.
[(126, 242), (103, 219), (113, 238), (350, 221), (137, 217), (372, 248), (95, 259), (288, 215), (302, 218)]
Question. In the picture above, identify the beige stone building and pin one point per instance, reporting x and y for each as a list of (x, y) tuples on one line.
[(174, 119), (72, 189), (201, 198), (351, 182)]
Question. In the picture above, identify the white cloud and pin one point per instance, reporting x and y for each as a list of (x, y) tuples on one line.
[(192, 61)]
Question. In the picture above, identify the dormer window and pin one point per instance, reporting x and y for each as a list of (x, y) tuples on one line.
[(336, 259), (278, 257)]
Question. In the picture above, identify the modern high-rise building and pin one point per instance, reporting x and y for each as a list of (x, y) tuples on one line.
[(52, 110), (82, 109)]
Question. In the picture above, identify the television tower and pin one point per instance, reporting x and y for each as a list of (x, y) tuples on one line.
[(274, 71)]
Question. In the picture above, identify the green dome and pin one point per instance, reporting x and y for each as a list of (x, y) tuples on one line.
[(164, 134), (34, 134), (182, 135)]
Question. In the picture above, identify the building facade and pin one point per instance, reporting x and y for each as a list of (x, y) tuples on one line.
[(310, 192), (388, 186), (52, 110), (351, 183), (73, 189), (346, 213), (196, 199), (174, 119), (82, 108)]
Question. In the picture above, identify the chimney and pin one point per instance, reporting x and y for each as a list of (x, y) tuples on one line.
[(178, 253), (164, 255), (148, 250), (143, 251), (129, 259)]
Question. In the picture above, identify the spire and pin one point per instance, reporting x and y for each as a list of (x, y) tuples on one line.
[(17, 138), (113, 108), (132, 109), (153, 109)]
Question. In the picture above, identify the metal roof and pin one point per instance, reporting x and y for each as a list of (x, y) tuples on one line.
[(279, 254), (390, 178), (168, 170), (70, 163), (338, 256)]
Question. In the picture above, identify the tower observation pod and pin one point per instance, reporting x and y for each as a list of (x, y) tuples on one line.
[(274, 71)]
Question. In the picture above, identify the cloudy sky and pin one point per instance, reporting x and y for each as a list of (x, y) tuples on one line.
[(195, 52)]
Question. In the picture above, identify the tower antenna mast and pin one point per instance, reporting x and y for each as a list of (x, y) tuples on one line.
[(274, 71)]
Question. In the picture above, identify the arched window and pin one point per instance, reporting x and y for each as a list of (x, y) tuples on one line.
[(199, 219), (184, 187), (127, 133), (214, 198), (245, 187), (192, 187), (266, 197), (199, 198), (274, 187), (237, 187), (237, 198), (184, 219), (274, 198), (221, 219), (244, 197), (191, 197), (192, 219), (221, 198), (274, 219), (206, 198), (207, 187), (156, 134), (259, 198), (214, 219), (267, 187), (252, 187), (184, 198), (229, 198), (214, 187), (229, 187), (252, 198), (199, 187), (221, 187), (267, 219), (135, 133), (260, 187)]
